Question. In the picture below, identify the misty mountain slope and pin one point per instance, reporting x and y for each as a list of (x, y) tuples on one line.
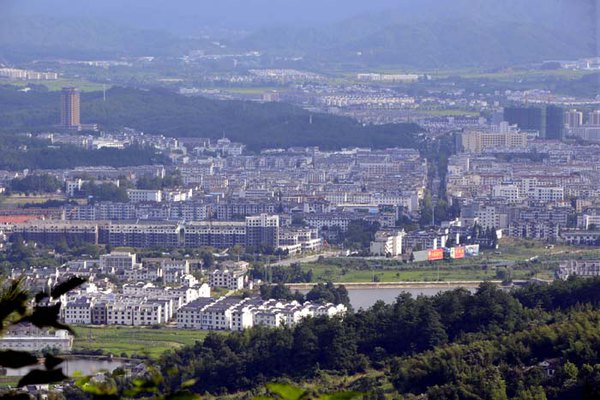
[(40, 37), (415, 33), (434, 33)]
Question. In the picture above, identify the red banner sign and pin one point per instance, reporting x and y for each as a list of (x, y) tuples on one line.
[(437, 254)]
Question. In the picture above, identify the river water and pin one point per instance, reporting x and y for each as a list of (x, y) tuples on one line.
[(365, 298), (86, 366)]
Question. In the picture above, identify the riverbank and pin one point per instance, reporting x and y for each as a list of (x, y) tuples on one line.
[(397, 285)]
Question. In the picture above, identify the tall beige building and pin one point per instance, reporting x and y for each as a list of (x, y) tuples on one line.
[(594, 118), (69, 108), (573, 118), (476, 142)]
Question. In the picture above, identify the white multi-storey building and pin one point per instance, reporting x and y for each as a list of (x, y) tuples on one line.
[(387, 243), (581, 268), (118, 261), (230, 279), (547, 194), (508, 192), (230, 313), (141, 195), (78, 311)]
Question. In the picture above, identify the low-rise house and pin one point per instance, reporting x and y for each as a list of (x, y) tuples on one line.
[(236, 314), (581, 268), (229, 279), (387, 243), (25, 337)]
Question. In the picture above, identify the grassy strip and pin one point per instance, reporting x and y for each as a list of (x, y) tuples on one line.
[(57, 85), (11, 381), (134, 340), (424, 273)]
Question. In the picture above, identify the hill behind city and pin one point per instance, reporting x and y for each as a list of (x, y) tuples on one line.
[(258, 125)]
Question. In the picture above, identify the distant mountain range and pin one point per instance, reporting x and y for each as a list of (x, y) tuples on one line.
[(455, 33), (410, 33)]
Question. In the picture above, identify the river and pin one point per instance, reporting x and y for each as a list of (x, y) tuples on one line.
[(365, 298)]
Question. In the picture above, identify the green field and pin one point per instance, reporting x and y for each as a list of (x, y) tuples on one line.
[(134, 340), (9, 381), (58, 84), (17, 200), (409, 273), (526, 259)]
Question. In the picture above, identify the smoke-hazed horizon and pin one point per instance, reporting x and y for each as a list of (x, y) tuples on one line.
[(180, 16)]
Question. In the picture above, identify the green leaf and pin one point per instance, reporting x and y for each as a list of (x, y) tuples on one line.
[(66, 286), (16, 359), (46, 316), (41, 296), (188, 383), (14, 299), (286, 392), (41, 377)]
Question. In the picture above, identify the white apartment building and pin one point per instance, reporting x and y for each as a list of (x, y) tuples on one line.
[(118, 261), (387, 243), (177, 195), (229, 313), (149, 313), (190, 316), (150, 273), (263, 221), (73, 186), (509, 193), (218, 316), (36, 340), (135, 312), (588, 220), (230, 279), (547, 194), (320, 221), (581, 268), (78, 311), (490, 217), (175, 270), (141, 195), (580, 237)]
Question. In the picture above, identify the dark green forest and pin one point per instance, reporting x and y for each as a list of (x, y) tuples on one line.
[(18, 152), (160, 111), (456, 345)]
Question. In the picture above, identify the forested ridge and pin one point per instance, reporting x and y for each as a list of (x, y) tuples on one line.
[(160, 111), (18, 152), (455, 345)]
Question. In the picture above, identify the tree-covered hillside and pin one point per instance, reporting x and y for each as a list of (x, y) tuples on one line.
[(492, 344), (160, 111)]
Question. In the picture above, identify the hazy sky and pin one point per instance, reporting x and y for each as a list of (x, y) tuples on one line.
[(167, 13), (182, 16)]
